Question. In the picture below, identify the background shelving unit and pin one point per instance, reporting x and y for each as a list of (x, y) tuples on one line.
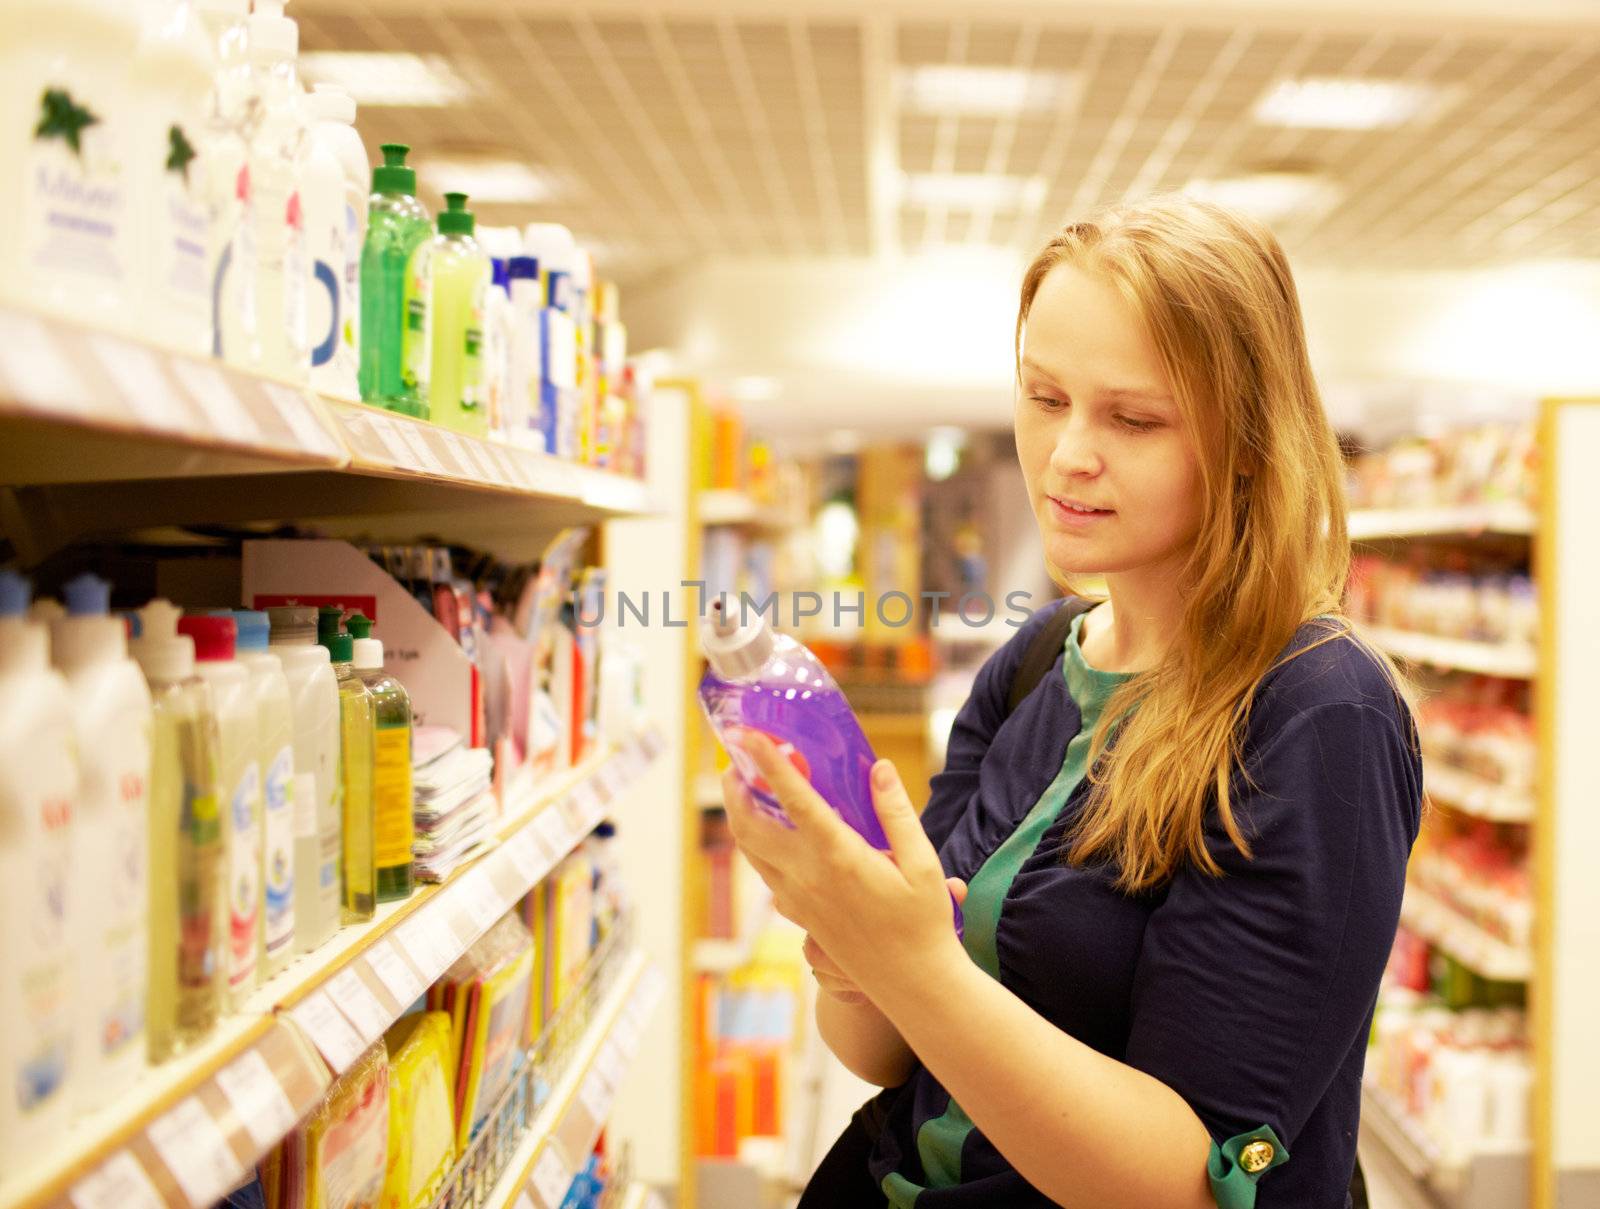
[(100, 436)]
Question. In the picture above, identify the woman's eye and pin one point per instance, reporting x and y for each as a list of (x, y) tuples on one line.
[(1048, 402), (1139, 425)]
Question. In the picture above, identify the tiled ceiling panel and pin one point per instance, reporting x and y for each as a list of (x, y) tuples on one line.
[(778, 131)]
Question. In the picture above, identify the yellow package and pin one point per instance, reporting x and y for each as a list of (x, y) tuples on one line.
[(347, 1137), (422, 1128)]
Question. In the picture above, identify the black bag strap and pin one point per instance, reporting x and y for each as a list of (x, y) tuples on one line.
[(1043, 649)]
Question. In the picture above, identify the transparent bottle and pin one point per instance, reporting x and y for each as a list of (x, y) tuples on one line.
[(188, 952), (395, 335), (355, 771), (461, 277), (391, 764)]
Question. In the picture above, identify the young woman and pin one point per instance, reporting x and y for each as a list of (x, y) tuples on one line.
[(1182, 853)]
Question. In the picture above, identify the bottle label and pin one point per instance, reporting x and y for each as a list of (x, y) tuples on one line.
[(244, 888), (750, 773), (42, 987), (120, 965), (350, 309), (391, 795), (199, 879), (183, 235), (416, 342), (296, 276), (278, 858), (75, 200)]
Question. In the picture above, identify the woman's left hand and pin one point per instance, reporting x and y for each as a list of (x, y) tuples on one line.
[(879, 915)]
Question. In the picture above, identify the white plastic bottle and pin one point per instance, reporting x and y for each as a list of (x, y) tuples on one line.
[(525, 349), (110, 860), (277, 167), (318, 792), (171, 85), (67, 238), (232, 116), (275, 743), (239, 777), (334, 137), (38, 784)]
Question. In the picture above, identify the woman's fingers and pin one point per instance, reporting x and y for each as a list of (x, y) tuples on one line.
[(958, 889), (913, 851)]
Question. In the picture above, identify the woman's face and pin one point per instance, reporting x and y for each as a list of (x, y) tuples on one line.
[(1112, 475)]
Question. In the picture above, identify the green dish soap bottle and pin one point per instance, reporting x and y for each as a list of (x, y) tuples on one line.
[(391, 763), (461, 276), (395, 340), (355, 771)]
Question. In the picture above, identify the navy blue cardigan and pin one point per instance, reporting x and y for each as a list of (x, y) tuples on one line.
[(1251, 995)]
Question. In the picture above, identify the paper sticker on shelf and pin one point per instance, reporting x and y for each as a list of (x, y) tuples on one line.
[(118, 1183), (552, 829), (229, 417), (148, 392), (39, 372), (523, 850), (329, 1031), (551, 1177), (297, 414), (523, 1201), (257, 1099), (421, 449), (394, 973), (609, 1062), (595, 1095), (196, 1153), (359, 1005), (481, 901), (391, 439)]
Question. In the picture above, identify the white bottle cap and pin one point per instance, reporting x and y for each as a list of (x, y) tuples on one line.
[(332, 103), (237, 9), (272, 35), (735, 647), (164, 654), (368, 654)]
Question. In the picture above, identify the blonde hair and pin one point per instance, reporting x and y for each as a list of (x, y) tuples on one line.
[(1215, 292)]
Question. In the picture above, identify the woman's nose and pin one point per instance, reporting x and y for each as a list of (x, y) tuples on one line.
[(1075, 451)]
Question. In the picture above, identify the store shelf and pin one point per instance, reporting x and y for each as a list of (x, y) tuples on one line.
[(339, 999), (1473, 795), (1382, 524), (564, 1131), (99, 433), (640, 1196), (723, 956), (1490, 1179), (1486, 955), (1512, 661), (724, 507)]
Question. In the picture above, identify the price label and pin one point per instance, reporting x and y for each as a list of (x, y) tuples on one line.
[(257, 1099), (551, 1177), (421, 448), (523, 1201), (196, 1153), (526, 856), (481, 901), (610, 1064), (147, 391), (506, 465), (359, 1005), (595, 1095), (119, 1183), (472, 450), (552, 829), (395, 974), (428, 943), (456, 447), (228, 415), (329, 1031), (297, 414), (388, 433), (38, 370)]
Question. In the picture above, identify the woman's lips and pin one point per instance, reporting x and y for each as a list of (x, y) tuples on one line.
[(1072, 518)]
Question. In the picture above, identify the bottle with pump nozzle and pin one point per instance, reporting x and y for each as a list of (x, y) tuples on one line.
[(281, 819), (396, 339), (239, 778), (110, 864), (391, 763), (356, 767), (764, 681), (38, 787), (318, 794), (189, 891), (461, 279)]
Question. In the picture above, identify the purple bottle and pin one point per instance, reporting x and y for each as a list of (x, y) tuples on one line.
[(762, 680)]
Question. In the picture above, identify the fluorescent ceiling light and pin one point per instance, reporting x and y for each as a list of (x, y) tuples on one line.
[(989, 91), (487, 181), (382, 78), (973, 190), (1269, 196), (1329, 103)]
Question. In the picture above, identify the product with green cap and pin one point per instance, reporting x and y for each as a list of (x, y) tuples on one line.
[(461, 276), (188, 935), (355, 775), (395, 288), (391, 763)]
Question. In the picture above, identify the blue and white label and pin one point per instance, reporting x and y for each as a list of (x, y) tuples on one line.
[(278, 854)]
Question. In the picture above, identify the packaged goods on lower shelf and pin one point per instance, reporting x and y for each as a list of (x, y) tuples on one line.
[(1479, 871), (339, 1157), (1488, 464), (1473, 604), (1482, 725), (1463, 1077), (422, 1128)]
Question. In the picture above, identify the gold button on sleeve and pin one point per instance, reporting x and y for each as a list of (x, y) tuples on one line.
[(1256, 1157)]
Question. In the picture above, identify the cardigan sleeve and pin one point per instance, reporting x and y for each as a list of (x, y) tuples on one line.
[(980, 716), (1252, 989)]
